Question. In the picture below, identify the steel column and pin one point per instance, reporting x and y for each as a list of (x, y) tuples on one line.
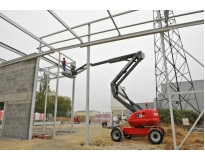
[(167, 83), (56, 99), (73, 99), (45, 106), (88, 90), (33, 100)]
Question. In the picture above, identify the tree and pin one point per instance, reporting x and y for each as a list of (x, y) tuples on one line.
[(63, 105), (43, 83)]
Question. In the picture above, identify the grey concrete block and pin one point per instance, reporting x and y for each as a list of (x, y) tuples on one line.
[(22, 90)]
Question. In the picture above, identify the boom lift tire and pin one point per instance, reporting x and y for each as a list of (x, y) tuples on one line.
[(155, 136), (163, 132), (127, 136), (116, 134)]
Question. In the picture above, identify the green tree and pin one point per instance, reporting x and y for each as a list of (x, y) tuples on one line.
[(43, 83)]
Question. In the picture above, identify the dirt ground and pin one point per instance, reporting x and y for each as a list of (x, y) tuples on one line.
[(99, 139)]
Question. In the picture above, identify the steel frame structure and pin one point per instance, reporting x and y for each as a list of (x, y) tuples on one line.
[(167, 52), (177, 64), (51, 50)]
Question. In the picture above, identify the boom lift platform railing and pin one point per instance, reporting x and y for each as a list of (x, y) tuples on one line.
[(133, 60)]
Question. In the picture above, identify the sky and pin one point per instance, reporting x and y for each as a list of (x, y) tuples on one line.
[(139, 85)]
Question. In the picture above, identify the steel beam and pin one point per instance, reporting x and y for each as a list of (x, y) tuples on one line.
[(48, 72), (143, 33), (24, 30), (113, 22), (12, 49), (116, 38), (64, 24), (85, 24), (51, 67), (120, 27), (191, 129), (188, 92), (185, 51), (23, 54), (51, 78), (2, 60), (68, 57)]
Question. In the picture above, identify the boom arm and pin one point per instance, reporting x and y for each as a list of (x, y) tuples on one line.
[(133, 60)]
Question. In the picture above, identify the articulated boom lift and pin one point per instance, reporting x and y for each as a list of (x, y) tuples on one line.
[(142, 122)]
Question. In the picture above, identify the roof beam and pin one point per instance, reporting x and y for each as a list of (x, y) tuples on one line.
[(113, 22), (12, 49), (2, 60), (81, 25), (24, 54), (124, 27), (117, 38), (43, 70), (28, 33), (64, 24), (24, 30)]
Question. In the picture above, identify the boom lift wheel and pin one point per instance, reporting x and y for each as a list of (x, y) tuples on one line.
[(127, 136), (163, 132), (155, 136), (116, 134)]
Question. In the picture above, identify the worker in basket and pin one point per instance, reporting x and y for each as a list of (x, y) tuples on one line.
[(64, 64)]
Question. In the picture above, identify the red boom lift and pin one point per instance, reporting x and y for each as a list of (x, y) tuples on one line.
[(142, 121)]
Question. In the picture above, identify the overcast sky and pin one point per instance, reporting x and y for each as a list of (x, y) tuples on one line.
[(140, 84)]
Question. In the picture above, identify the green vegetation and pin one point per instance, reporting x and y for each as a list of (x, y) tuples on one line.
[(64, 103), (178, 115)]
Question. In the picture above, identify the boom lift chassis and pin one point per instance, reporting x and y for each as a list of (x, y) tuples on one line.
[(142, 122)]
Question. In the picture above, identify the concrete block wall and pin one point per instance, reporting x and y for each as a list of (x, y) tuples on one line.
[(16, 89)]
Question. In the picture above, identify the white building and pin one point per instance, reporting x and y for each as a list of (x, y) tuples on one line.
[(116, 107)]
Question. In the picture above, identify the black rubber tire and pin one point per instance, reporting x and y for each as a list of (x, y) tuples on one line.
[(155, 136), (127, 136), (163, 132), (116, 134)]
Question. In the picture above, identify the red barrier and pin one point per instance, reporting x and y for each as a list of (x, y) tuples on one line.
[(1, 114)]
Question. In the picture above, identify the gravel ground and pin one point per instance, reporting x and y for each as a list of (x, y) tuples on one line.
[(99, 139)]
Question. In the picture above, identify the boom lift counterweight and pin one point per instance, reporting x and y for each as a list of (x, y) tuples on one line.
[(142, 122)]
